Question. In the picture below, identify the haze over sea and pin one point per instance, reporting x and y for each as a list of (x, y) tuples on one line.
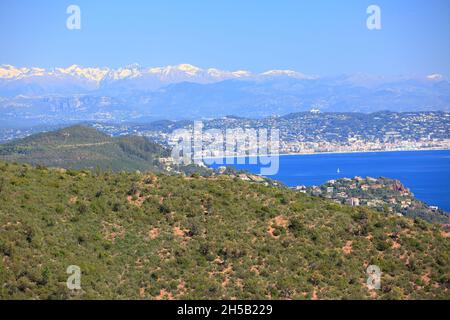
[(426, 173)]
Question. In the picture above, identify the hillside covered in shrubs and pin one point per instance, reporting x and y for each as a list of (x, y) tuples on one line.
[(155, 236), (81, 147)]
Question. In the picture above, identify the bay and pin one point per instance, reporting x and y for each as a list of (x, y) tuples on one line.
[(426, 173)]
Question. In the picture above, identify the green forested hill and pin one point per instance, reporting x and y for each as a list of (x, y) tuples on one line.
[(84, 147), (146, 236)]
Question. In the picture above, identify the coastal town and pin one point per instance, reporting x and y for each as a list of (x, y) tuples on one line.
[(297, 133), (382, 194), (385, 195), (312, 132)]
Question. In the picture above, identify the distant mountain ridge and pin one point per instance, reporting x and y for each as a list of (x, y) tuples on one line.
[(83, 79), (78, 79), (135, 93)]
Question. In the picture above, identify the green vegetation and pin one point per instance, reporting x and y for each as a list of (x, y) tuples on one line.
[(148, 236), (80, 147), (382, 194)]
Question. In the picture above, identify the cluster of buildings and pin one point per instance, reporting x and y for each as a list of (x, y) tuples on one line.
[(381, 194), (315, 132), (356, 145)]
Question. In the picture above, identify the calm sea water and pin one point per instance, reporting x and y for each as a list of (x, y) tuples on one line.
[(426, 173)]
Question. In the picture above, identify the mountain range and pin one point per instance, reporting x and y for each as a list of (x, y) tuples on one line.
[(77, 79), (64, 95)]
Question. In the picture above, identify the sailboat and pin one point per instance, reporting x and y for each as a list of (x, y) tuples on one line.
[(338, 170)]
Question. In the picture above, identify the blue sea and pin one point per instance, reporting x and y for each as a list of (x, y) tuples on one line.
[(426, 173)]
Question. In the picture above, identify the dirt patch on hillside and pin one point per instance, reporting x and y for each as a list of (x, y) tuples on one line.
[(153, 233), (181, 288), (281, 221), (271, 233), (277, 222), (348, 248), (225, 282), (445, 234), (239, 283), (137, 199), (149, 179), (225, 273), (396, 245), (181, 233), (111, 231), (426, 278), (254, 269), (314, 295), (164, 295), (73, 200), (177, 232)]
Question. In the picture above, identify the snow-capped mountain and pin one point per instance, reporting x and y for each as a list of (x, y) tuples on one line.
[(135, 77), (97, 77), (77, 79), (167, 74), (287, 73), (188, 92), (91, 74), (80, 80)]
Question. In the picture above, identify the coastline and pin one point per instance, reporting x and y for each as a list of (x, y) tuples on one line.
[(360, 151), (429, 189), (324, 152)]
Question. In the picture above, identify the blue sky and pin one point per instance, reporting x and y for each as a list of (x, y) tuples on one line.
[(321, 37)]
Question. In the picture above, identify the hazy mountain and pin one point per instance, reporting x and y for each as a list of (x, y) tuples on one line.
[(77, 79), (186, 91)]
